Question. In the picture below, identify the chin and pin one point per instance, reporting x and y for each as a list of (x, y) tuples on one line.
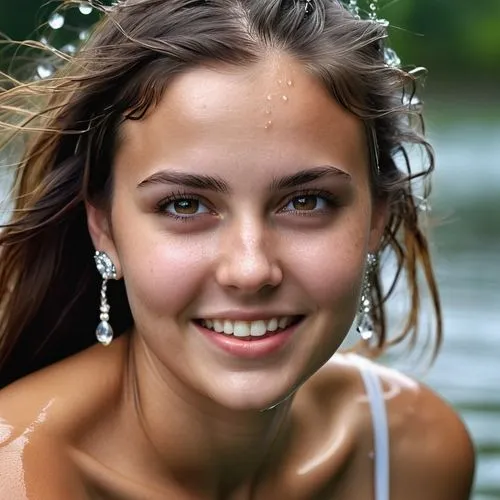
[(256, 396)]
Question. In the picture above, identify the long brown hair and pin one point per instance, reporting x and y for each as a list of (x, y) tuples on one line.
[(67, 128)]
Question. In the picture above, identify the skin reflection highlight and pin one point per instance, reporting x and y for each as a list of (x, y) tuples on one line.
[(333, 448), (13, 481)]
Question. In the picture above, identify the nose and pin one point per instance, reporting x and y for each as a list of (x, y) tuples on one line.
[(248, 261)]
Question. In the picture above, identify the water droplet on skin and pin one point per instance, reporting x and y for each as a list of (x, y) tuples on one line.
[(280, 82), (284, 98), (289, 83), (268, 124), (269, 97), (56, 21), (268, 111)]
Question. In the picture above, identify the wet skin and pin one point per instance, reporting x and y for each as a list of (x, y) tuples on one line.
[(165, 412)]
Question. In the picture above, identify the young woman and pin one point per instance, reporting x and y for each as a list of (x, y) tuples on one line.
[(233, 164)]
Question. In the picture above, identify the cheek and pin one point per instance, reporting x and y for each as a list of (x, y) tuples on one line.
[(162, 273), (330, 265), (332, 278)]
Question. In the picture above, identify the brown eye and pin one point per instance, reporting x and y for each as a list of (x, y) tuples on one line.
[(182, 207), (309, 202), (186, 207)]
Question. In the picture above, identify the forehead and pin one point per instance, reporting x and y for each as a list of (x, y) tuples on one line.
[(270, 111)]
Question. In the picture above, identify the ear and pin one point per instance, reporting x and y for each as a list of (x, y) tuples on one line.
[(380, 217), (99, 225)]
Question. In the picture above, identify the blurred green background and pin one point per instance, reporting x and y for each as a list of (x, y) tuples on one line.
[(459, 43)]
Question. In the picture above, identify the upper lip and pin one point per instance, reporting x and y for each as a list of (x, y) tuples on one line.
[(248, 316)]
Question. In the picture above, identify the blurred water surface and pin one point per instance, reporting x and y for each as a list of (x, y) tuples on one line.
[(467, 255)]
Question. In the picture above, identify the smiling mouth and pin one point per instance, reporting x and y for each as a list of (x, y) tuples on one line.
[(249, 330)]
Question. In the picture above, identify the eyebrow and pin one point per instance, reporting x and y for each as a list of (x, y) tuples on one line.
[(196, 181), (202, 181), (307, 176)]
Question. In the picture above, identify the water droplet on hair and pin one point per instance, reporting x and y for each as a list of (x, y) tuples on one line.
[(69, 49), (413, 102), (423, 204), (85, 8), (56, 21), (44, 70), (83, 35), (284, 98), (354, 8), (391, 58), (44, 41)]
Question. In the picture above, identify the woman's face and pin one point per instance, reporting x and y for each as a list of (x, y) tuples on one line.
[(243, 196)]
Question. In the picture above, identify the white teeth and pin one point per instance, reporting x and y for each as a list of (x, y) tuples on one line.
[(247, 328), (283, 322), (272, 325), (241, 329), (218, 325), (258, 328)]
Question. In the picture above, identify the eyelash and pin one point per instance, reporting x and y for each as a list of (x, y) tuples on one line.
[(331, 200)]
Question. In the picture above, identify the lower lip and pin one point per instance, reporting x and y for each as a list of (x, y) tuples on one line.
[(254, 347)]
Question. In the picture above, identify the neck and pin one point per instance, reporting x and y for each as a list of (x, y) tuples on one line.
[(186, 435)]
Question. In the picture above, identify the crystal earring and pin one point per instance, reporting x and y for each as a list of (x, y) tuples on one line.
[(365, 326), (106, 268)]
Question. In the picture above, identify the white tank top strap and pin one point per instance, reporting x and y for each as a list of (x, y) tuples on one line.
[(375, 394)]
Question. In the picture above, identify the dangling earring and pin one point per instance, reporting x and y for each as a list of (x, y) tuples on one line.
[(365, 326), (106, 268)]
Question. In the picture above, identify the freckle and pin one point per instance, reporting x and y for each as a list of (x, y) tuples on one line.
[(268, 124), (284, 98), (289, 83)]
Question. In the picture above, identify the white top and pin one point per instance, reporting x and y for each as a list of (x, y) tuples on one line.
[(375, 394)]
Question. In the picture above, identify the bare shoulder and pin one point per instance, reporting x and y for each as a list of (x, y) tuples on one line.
[(61, 394), (41, 417), (36, 468), (432, 454)]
